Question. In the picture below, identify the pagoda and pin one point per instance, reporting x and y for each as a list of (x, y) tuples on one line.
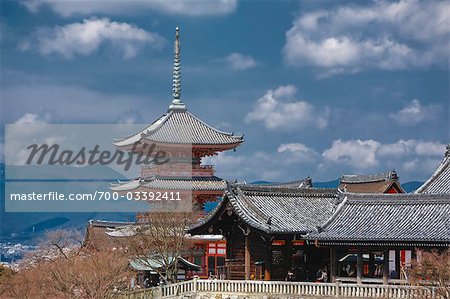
[(186, 140)]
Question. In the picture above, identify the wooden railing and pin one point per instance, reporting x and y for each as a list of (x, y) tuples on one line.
[(337, 290), (181, 288)]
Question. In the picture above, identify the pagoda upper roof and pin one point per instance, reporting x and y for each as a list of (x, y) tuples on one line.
[(179, 126), (439, 182)]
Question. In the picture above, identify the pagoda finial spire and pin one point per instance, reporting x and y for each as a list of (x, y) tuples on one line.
[(176, 101)]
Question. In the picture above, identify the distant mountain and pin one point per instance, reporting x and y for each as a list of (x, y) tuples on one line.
[(328, 184), (408, 187), (26, 227), (411, 186), (260, 183)]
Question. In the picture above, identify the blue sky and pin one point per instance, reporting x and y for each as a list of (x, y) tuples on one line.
[(318, 88)]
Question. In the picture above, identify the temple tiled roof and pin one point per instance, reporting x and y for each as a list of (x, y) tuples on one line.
[(178, 126), (374, 183), (276, 210), (356, 178), (388, 218), (306, 183), (439, 182), (110, 224), (194, 184)]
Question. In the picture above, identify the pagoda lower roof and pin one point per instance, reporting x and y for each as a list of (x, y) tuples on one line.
[(174, 184), (178, 126)]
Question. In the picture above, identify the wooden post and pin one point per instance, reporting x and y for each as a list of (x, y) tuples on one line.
[(332, 264), (247, 257), (359, 266), (397, 263), (371, 264), (386, 266), (287, 252), (268, 261)]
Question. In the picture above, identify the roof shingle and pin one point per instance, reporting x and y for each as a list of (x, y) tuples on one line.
[(277, 210), (439, 182), (178, 126), (389, 218)]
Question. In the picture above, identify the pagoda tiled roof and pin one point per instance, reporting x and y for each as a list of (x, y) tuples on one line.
[(388, 219), (179, 126), (157, 183), (439, 182), (275, 210)]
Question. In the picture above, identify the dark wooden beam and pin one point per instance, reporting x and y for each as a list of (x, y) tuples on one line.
[(268, 260), (247, 257), (359, 266), (385, 266), (397, 263), (371, 264), (333, 263)]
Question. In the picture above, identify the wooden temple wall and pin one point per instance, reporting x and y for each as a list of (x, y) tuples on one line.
[(257, 251), (235, 262), (238, 247)]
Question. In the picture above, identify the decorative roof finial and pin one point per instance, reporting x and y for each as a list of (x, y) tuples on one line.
[(176, 101)]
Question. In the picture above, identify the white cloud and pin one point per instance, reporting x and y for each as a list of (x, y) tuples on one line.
[(278, 109), (80, 105), (87, 37), (240, 62), (429, 149), (365, 154), (174, 7), (30, 118), (415, 113), (414, 160), (293, 147), (355, 153), (397, 150), (297, 152), (131, 116), (383, 35), (43, 116), (259, 165)]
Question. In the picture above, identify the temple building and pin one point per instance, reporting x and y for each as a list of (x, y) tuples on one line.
[(387, 182), (264, 228), (187, 140), (355, 237), (367, 228)]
